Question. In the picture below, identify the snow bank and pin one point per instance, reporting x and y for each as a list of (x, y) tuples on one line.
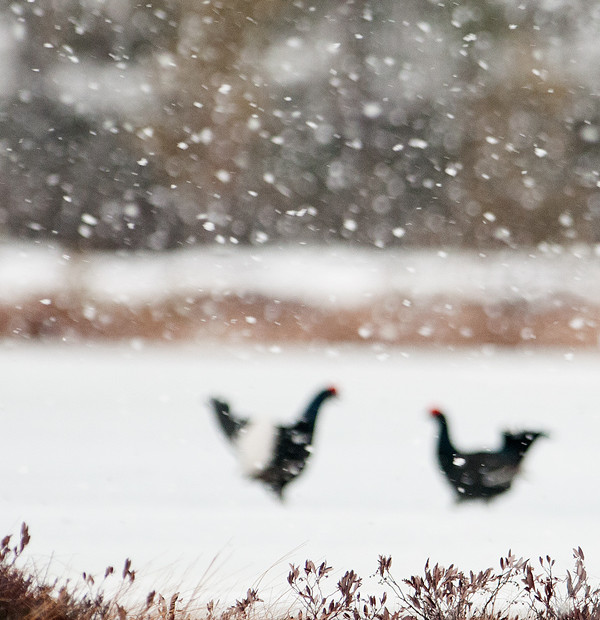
[(319, 275), (301, 294)]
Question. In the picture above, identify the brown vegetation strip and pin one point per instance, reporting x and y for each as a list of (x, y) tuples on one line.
[(437, 321)]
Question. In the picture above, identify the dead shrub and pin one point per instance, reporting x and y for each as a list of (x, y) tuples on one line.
[(520, 590)]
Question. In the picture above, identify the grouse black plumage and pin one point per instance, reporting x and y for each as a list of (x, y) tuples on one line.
[(481, 475), (284, 452)]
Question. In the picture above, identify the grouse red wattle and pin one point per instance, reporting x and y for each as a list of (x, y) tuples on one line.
[(273, 455), (481, 475)]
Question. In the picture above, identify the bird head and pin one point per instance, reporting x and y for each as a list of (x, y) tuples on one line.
[(332, 390), (436, 413)]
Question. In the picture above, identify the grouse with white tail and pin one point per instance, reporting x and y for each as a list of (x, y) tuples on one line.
[(481, 475), (274, 455)]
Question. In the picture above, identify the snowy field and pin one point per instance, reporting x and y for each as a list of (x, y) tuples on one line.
[(111, 452)]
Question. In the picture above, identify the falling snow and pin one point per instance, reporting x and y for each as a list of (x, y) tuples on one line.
[(336, 154), (391, 115)]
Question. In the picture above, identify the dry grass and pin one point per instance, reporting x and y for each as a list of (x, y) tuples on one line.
[(519, 590), (394, 320)]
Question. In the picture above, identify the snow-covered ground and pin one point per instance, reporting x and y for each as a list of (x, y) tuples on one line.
[(111, 452), (326, 275)]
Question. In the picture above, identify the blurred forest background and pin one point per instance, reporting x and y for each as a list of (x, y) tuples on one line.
[(170, 123)]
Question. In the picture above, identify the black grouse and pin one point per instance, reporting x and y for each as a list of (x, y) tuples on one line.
[(481, 475), (274, 455)]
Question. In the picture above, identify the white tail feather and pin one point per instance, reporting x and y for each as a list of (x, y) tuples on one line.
[(256, 444)]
